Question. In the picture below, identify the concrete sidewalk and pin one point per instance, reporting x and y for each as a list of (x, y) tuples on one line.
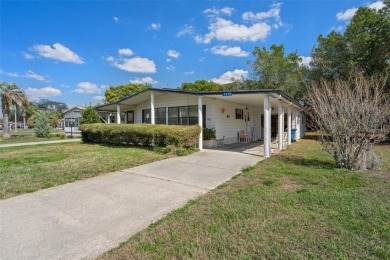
[(43, 142), (86, 218)]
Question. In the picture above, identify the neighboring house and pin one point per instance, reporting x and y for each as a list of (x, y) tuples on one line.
[(70, 121), (235, 115)]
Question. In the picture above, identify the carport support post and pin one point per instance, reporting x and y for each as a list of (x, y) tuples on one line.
[(267, 126), (289, 125), (152, 117), (200, 122), (280, 126), (118, 114)]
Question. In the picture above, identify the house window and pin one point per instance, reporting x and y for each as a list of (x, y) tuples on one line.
[(239, 113), (146, 116), (160, 116), (186, 115), (173, 113)]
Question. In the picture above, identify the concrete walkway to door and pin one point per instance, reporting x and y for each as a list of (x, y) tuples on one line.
[(88, 217)]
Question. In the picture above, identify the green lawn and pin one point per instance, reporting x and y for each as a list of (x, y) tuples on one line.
[(295, 205), (24, 136), (30, 168)]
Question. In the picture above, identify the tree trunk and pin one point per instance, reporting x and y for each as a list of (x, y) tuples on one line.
[(6, 126)]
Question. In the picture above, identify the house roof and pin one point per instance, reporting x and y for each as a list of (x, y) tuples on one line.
[(248, 97), (73, 108)]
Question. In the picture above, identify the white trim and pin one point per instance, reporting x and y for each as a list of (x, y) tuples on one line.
[(200, 122), (152, 115), (267, 127)]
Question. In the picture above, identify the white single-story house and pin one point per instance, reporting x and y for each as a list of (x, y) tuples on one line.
[(70, 121), (247, 115)]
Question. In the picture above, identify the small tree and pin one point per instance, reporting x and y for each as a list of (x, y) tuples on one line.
[(42, 126), (89, 116), (351, 115)]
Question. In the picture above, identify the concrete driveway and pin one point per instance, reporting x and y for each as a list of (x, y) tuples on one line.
[(86, 218)]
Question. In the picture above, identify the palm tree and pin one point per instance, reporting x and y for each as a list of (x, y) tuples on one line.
[(11, 94)]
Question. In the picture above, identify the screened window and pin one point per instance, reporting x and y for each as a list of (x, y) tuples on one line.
[(146, 116), (173, 114), (239, 113), (193, 115), (183, 115), (160, 116)]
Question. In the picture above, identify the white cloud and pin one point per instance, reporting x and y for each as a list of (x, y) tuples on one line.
[(170, 67), (225, 30), (146, 80), (347, 15), (115, 19), (155, 26), (58, 52), (29, 74), (229, 51), (274, 12), (306, 61), (99, 98), (376, 5), (28, 56), (168, 60), (187, 29), (202, 59), (39, 93), (136, 64), (87, 88), (173, 54), (231, 76), (216, 12), (125, 52), (189, 72)]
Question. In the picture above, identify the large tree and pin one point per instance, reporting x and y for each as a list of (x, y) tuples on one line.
[(201, 85), (46, 104), (116, 93), (11, 95), (273, 69), (363, 46)]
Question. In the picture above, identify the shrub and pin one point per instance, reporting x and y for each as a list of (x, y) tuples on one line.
[(89, 116), (42, 124), (141, 135), (208, 133)]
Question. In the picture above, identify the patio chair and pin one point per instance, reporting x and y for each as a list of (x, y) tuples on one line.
[(243, 136)]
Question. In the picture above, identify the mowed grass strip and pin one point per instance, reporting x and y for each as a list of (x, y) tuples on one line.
[(295, 205), (30, 168)]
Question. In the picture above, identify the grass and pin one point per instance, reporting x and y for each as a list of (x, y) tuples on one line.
[(24, 136), (294, 205), (30, 168)]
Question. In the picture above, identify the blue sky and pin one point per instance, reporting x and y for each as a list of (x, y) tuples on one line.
[(71, 51)]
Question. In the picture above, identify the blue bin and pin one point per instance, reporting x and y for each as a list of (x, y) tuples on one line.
[(293, 131)]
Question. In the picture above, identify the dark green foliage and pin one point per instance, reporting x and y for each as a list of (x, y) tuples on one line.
[(275, 70), (89, 116), (208, 133), (115, 93), (201, 85), (42, 126), (141, 135)]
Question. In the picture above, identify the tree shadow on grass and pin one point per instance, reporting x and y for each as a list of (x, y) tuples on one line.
[(310, 163)]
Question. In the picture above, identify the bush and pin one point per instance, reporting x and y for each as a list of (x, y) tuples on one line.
[(89, 116), (42, 124), (141, 135), (208, 133)]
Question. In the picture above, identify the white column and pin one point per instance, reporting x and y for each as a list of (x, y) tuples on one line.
[(289, 125), (298, 121), (118, 114), (152, 116), (280, 126), (200, 122), (109, 119), (267, 127)]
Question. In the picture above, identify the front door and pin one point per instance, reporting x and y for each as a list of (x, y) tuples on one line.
[(130, 117)]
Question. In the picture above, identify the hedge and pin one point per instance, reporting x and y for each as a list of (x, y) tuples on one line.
[(141, 134)]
